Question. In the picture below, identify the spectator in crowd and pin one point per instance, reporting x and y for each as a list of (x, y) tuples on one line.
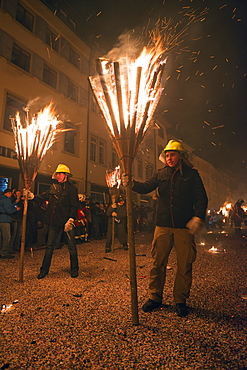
[(81, 223), (7, 208), (15, 240), (116, 213), (103, 221), (238, 216), (42, 227), (181, 210), (136, 217), (96, 218), (63, 203)]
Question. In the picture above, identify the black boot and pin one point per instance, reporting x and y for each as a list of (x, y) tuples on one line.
[(181, 309), (151, 305)]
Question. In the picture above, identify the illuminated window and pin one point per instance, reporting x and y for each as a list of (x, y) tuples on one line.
[(24, 17), (20, 57)]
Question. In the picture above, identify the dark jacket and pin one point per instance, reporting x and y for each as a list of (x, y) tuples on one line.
[(63, 203), (121, 213), (7, 208), (181, 195)]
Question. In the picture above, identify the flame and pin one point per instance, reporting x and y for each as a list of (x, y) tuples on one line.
[(33, 138), (113, 178), (128, 89), (38, 135), (139, 87), (226, 209)]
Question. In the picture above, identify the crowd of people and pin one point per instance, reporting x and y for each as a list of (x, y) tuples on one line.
[(92, 222), (62, 216)]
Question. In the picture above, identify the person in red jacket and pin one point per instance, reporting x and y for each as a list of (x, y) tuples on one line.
[(181, 209)]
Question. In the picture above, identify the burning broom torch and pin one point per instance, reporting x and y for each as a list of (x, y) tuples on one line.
[(33, 138), (128, 92), (113, 182)]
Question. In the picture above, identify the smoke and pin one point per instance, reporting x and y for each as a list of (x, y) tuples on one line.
[(128, 45)]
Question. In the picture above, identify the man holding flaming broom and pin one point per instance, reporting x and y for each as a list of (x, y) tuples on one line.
[(181, 210), (63, 203)]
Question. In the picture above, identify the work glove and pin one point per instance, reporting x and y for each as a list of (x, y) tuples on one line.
[(28, 194), (69, 225), (125, 179), (195, 225)]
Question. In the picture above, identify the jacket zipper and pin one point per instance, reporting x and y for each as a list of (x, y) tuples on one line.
[(172, 177)]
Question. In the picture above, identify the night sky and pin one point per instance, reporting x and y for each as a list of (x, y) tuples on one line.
[(205, 92)]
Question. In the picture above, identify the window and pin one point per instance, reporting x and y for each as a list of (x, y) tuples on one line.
[(72, 91), (149, 143), (94, 105), (52, 40), (20, 57), (101, 151), (50, 76), (161, 132), (13, 105), (139, 168), (74, 58), (97, 150), (149, 171), (114, 158), (24, 17), (70, 139), (93, 146), (160, 148)]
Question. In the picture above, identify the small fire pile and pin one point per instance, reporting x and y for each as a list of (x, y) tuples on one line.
[(217, 250)]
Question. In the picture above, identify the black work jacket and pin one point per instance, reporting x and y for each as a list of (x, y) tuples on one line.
[(63, 203), (181, 195)]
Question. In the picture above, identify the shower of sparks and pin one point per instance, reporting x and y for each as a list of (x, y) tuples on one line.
[(128, 89), (33, 138)]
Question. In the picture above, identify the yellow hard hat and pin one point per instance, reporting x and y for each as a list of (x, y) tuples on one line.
[(63, 168), (175, 146), (82, 197)]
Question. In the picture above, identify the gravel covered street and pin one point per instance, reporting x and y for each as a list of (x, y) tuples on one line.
[(85, 323)]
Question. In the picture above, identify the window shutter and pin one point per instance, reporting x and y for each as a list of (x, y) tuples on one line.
[(10, 6), (83, 97), (37, 66), (6, 45), (40, 28), (64, 48), (84, 64), (63, 84)]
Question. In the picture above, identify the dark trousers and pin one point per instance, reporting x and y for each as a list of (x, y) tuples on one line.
[(54, 236)]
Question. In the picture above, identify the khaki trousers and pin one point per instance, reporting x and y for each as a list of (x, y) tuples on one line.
[(164, 239)]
